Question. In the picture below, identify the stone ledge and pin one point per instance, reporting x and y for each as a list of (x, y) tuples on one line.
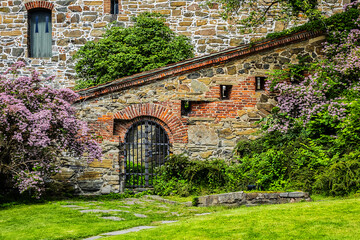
[(252, 199)]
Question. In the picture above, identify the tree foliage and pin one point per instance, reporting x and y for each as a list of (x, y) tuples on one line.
[(37, 124), (311, 141), (147, 45), (259, 12)]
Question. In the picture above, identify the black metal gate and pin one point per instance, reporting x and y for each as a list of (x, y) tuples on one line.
[(146, 147)]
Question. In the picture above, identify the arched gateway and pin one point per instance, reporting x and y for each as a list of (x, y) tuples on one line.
[(145, 148)]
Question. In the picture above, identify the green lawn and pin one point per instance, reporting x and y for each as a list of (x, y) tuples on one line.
[(333, 219), (54, 221), (329, 219)]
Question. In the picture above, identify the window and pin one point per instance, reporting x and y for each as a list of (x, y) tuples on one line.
[(40, 29), (259, 83), (185, 107), (225, 91), (114, 7)]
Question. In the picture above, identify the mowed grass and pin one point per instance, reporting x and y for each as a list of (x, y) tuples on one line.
[(329, 219), (333, 219), (52, 220)]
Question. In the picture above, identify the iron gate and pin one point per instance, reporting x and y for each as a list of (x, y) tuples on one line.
[(145, 148)]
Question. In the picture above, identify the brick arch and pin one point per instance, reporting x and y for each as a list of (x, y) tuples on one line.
[(39, 4), (121, 128), (178, 131)]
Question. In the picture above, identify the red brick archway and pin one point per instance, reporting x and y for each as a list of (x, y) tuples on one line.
[(172, 124), (39, 4)]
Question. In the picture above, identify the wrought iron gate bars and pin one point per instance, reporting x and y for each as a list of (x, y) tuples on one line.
[(145, 148)]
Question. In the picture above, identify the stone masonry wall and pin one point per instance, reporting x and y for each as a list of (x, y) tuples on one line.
[(76, 21), (210, 130), (252, 199)]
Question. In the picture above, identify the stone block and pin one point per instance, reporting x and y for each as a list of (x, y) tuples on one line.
[(284, 195), (177, 4), (64, 175), (90, 186), (193, 75), (17, 52), (93, 3), (231, 70), (97, 32), (4, 9), (206, 154), (106, 189), (176, 13), (75, 8), (90, 175), (105, 163), (62, 57), (214, 40), (246, 132), (202, 135), (185, 23), (65, 2), (206, 32), (193, 7), (201, 22), (164, 11), (60, 17), (75, 18), (12, 33), (74, 33), (296, 194), (88, 18), (198, 86)]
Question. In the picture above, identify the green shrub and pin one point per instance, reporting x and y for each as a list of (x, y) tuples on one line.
[(341, 178), (147, 45), (342, 22), (181, 176)]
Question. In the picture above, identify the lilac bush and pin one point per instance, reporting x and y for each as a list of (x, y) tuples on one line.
[(321, 94), (37, 125)]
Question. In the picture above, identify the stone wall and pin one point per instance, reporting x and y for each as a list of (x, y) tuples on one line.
[(213, 125), (252, 199), (76, 21)]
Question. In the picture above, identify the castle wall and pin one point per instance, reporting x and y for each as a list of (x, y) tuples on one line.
[(75, 22), (210, 129)]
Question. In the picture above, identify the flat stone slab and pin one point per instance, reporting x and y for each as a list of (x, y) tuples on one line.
[(72, 206), (202, 214), (163, 206), (134, 229), (132, 202), (102, 211), (93, 238), (140, 215), (165, 222), (113, 218)]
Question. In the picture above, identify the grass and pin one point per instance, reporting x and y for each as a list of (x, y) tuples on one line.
[(52, 220), (328, 218), (331, 219)]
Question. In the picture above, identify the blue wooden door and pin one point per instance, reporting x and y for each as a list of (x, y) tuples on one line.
[(40, 33)]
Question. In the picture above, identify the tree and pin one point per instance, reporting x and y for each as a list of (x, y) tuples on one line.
[(122, 52), (259, 11), (37, 124), (312, 139)]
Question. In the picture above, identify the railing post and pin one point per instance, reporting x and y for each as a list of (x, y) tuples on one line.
[(122, 166)]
